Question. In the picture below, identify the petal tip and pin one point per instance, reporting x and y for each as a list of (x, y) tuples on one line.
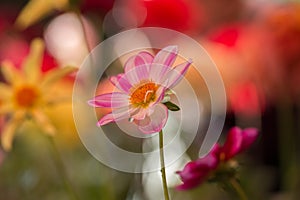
[(102, 122), (91, 102), (172, 47)]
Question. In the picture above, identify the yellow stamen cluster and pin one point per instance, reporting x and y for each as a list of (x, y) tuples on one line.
[(143, 95)]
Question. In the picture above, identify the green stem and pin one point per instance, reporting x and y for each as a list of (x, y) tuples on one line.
[(287, 145), (162, 164), (238, 189), (61, 170)]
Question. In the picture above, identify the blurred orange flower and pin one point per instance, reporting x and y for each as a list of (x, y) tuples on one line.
[(27, 93)]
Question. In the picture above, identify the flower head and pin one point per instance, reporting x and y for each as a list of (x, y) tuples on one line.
[(196, 172), (141, 90), (27, 92)]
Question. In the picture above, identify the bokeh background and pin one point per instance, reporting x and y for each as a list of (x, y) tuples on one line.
[(255, 44)]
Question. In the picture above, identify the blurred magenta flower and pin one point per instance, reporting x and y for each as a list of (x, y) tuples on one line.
[(237, 141), (196, 172), (142, 89)]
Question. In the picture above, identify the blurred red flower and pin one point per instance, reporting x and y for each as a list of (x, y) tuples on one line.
[(227, 36), (180, 15), (246, 98)]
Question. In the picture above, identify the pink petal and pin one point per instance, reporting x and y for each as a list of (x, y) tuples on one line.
[(110, 100), (137, 74), (116, 115), (162, 63), (207, 163), (142, 58), (142, 72), (157, 72), (249, 136), (166, 56), (190, 171), (115, 79), (160, 93), (121, 82), (216, 149), (233, 143), (174, 76), (195, 172), (158, 119), (141, 114), (143, 122)]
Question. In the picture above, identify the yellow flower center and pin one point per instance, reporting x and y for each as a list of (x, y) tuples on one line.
[(143, 95), (26, 96)]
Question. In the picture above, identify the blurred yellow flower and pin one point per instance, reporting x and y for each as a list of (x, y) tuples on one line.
[(28, 93), (37, 9)]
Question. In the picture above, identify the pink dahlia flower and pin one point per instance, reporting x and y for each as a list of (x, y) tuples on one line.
[(196, 172), (141, 90), (237, 141)]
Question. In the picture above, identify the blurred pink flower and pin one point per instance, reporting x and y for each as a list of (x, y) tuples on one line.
[(196, 172), (142, 88), (243, 63)]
